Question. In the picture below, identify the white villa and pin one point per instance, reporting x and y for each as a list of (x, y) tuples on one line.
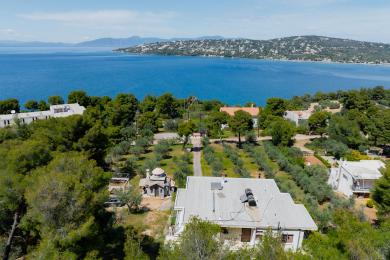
[(301, 116), (63, 110), (244, 208), (355, 178), (298, 117)]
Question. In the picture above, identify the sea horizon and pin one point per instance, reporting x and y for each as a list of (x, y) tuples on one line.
[(60, 70)]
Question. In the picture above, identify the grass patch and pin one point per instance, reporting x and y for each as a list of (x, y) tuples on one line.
[(249, 164), (206, 169), (151, 222), (168, 164), (228, 166), (287, 184)]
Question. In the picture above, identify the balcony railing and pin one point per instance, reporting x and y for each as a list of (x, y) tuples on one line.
[(361, 189)]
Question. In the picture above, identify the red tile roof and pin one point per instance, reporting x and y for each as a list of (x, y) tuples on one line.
[(253, 111)]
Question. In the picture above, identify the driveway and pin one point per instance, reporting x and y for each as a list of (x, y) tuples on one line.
[(197, 150)]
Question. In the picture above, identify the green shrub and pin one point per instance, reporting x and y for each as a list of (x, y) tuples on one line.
[(370, 203)]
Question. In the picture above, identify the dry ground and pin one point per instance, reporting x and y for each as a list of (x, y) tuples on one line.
[(152, 220), (370, 213)]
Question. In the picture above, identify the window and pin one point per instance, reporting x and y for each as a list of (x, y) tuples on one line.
[(225, 230), (246, 235), (287, 238)]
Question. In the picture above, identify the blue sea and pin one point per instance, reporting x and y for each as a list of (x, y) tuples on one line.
[(36, 73)]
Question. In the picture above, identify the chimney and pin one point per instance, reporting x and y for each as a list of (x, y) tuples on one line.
[(147, 173)]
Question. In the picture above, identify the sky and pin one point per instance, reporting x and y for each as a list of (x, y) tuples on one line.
[(81, 20)]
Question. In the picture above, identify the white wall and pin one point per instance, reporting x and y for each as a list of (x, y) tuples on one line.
[(345, 182), (234, 235), (290, 115)]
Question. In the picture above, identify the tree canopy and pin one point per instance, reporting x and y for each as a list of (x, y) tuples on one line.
[(241, 123)]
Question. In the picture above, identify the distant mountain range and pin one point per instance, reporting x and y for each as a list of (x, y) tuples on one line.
[(103, 42), (308, 48)]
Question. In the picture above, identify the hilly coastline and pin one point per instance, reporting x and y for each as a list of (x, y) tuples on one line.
[(102, 42), (305, 48)]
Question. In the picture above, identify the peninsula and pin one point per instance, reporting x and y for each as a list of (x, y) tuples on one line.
[(301, 48)]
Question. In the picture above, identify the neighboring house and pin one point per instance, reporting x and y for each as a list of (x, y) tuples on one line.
[(244, 208), (63, 110), (253, 111), (158, 184), (355, 177), (301, 116), (298, 117), (118, 184)]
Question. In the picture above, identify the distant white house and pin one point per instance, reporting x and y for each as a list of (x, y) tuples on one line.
[(253, 111), (355, 178), (298, 117), (244, 208), (62, 110), (301, 116)]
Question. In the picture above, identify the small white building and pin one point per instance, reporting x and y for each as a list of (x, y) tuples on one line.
[(118, 185), (158, 184), (244, 208), (62, 110), (355, 178), (298, 117)]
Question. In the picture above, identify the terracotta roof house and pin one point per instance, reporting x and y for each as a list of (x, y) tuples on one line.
[(253, 111)]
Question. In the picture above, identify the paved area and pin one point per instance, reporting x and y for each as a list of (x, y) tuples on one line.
[(197, 145), (159, 204), (300, 144), (330, 159), (312, 160), (165, 136)]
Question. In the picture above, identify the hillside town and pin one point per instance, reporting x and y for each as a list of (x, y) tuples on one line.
[(307, 48)]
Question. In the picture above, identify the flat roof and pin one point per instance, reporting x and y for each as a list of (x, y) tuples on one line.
[(274, 209), (73, 109), (364, 169)]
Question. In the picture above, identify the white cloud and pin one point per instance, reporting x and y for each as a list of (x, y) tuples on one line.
[(8, 31), (113, 17), (107, 17), (108, 22)]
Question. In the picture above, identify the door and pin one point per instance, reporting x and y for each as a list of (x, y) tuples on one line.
[(246, 234), (156, 191)]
